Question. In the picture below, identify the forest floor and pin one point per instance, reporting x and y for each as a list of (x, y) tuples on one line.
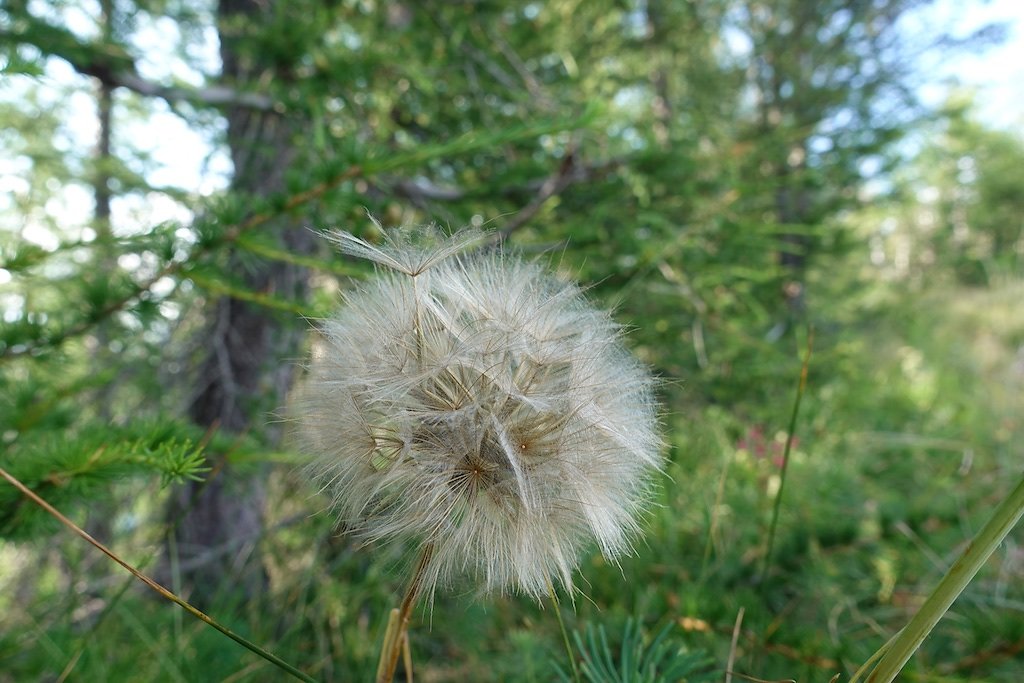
[(908, 437)]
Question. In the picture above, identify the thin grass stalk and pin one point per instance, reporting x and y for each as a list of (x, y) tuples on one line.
[(867, 665), (731, 661), (407, 657), (163, 592), (565, 634), (715, 510), (389, 636), (391, 649), (801, 387), (953, 583)]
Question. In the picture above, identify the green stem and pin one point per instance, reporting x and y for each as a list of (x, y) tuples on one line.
[(727, 459), (952, 584), (866, 666), (565, 634), (785, 456), (252, 647)]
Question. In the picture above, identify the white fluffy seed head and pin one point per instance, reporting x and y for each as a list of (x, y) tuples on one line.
[(477, 404)]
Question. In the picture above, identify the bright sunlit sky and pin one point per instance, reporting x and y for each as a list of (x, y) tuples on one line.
[(997, 73), (185, 159)]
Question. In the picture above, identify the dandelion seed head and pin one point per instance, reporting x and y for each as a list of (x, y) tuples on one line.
[(472, 401)]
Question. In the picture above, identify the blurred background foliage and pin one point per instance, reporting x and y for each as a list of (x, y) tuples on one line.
[(724, 174)]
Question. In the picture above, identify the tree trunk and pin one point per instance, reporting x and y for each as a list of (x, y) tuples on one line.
[(248, 350), (792, 206), (101, 514)]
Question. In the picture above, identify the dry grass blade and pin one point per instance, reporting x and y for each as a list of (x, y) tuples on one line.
[(732, 646), (163, 592)]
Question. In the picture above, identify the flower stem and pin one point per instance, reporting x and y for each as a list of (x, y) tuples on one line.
[(398, 622), (565, 634), (953, 583)]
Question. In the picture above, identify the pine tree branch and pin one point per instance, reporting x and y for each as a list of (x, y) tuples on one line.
[(113, 66), (174, 267), (554, 185), (570, 172), (566, 174), (213, 96)]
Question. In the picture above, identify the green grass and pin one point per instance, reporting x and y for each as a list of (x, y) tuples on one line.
[(908, 438)]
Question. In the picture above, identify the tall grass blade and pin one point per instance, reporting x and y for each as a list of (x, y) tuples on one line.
[(801, 387), (953, 583)]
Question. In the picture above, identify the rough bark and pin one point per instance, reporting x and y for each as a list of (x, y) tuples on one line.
[(99, 522), (248, 350)]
